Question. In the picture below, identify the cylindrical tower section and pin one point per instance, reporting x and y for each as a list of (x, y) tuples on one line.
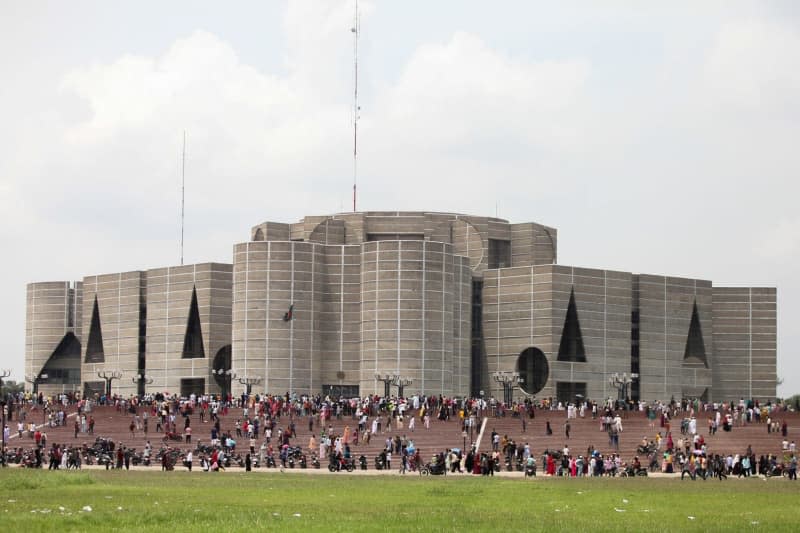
[(408, 299), (276, 288)]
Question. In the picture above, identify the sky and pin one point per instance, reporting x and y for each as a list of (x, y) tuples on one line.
[(659, 138)]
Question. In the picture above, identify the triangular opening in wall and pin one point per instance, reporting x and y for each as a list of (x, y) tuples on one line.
[(64, 364), (69, 347), (571, 346), (193, 340), (94, 346), (695, 353)]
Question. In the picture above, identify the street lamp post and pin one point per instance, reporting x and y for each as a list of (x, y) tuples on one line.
[(35, 380), (401, 383), (622, 383), (140, 380), (3, 374), (249, 382), (387, 382), (508, 380), (109, 376), (226, 375)]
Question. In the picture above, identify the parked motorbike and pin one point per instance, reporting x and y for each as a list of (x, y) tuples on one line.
[(434, 469)]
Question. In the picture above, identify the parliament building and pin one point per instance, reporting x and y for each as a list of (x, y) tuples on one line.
[(442, 303)]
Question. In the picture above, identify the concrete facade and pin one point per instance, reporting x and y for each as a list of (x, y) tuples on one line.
[(52, 336), (113, 305), (527, 307), (446, 300), (744, 341), (175, 360), (665, 312), (135, 323), (383, 306)]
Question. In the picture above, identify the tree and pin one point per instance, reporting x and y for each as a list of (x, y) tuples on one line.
[(12, 387)]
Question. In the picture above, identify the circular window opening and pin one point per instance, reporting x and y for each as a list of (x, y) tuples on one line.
[(533, 369), (222, 361)]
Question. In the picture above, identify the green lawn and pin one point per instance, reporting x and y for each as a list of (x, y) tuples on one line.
[(231, 501)]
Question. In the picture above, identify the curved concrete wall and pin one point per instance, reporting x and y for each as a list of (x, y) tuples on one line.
[(409, 296), (268, 278)]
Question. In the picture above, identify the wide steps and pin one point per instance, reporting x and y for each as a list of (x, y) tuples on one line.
[(584, 433)]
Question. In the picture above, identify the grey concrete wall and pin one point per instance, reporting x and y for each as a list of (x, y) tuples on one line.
[(169, 294), (119, 297), (665, 310), (270, 231), (603, 301), (415, 296), (416, 293), (516, 315), (329, 231), (52, 310), (339, 323), (744, 339), (268, 278), (462, 325), (526, 307), (530, 243), (533, 244)]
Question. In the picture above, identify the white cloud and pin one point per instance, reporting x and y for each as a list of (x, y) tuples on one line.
[(463, 92), (754, 64), (780, 242)]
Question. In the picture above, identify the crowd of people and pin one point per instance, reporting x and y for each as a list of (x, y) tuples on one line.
[(264, 432)]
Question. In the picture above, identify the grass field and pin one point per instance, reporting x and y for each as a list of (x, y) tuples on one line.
[(235, 501)]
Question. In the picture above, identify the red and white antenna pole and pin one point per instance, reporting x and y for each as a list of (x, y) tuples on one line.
[(356, 30)]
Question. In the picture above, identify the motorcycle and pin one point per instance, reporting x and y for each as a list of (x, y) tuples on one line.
[(633, 472), (345, 464), (435, 469), (646, 449)]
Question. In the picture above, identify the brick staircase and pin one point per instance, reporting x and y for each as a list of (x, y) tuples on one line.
[(584, 432)]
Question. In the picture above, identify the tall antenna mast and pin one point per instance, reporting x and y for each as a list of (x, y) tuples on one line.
[(183, 190), (356, 30)]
